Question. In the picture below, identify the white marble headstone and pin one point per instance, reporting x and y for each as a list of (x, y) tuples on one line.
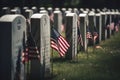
[(13, 36)]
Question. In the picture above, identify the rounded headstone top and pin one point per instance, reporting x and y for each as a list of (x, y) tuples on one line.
[(75, 10), (10, 17), (63, 9), (104, 9), (5, 8), (81, 10), (50, 11), (91, 13), (37, 15), (25, 7), (70, 9), (66, 12), (42, 8), (44, 12), (86, 12), (28, 10), (87, 9), (108, 12), (49, 8), (34, 8), (15, 11), (57, 9), (82, 14), (71, 14), (98, 10), (93, 9)]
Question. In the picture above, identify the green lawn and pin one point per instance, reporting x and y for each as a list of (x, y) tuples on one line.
[(100, 64)]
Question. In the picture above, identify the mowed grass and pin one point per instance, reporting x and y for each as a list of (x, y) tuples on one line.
[(98, 64)]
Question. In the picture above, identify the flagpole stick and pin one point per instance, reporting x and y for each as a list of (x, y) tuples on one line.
[(87, 50), (93, 44), (77, 52), (52, 63)]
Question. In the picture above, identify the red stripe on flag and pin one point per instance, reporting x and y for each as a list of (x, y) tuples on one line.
[(61, 45), (66, 43), (54, 45)]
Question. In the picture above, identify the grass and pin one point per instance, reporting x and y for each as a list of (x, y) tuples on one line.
[(102, 64)]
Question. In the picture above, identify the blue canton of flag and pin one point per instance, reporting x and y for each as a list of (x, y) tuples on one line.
[(58, 42)]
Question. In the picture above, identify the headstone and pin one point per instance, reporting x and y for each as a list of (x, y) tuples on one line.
[(18, 9), (104, 30), (83, 24), (44, 12), (98, 25), (71, 35), (108, 20), (12, 42), (40, 29), (112, 22), (57, 9), (92, 19), (70, 9), (91, 26), (117, 26), (5, 10), (66, 12), (25, 7), (93, 9), (28, 13), (15, 11), (23, 10), (81, 10), (42, 8), (98, 10), (75, 10), (58, 20), (35, 10), (63, 10)]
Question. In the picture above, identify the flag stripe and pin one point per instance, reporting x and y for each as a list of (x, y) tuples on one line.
[(63, 44), (61, 50), (54, 45), (65, 41), (60, 45)]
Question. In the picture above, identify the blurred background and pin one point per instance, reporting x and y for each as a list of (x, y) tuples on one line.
[(62, 3)]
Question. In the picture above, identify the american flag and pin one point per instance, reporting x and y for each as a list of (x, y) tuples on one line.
[(93, 35), (88, 34), (117, 28), (112, 26), (58, 42), (30, 49)]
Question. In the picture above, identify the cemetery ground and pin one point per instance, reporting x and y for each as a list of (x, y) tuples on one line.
[(97, 64)]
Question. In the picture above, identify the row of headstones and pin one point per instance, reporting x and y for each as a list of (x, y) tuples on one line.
[(13, 37), (94, 16), (13, 33), (105, 16)]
